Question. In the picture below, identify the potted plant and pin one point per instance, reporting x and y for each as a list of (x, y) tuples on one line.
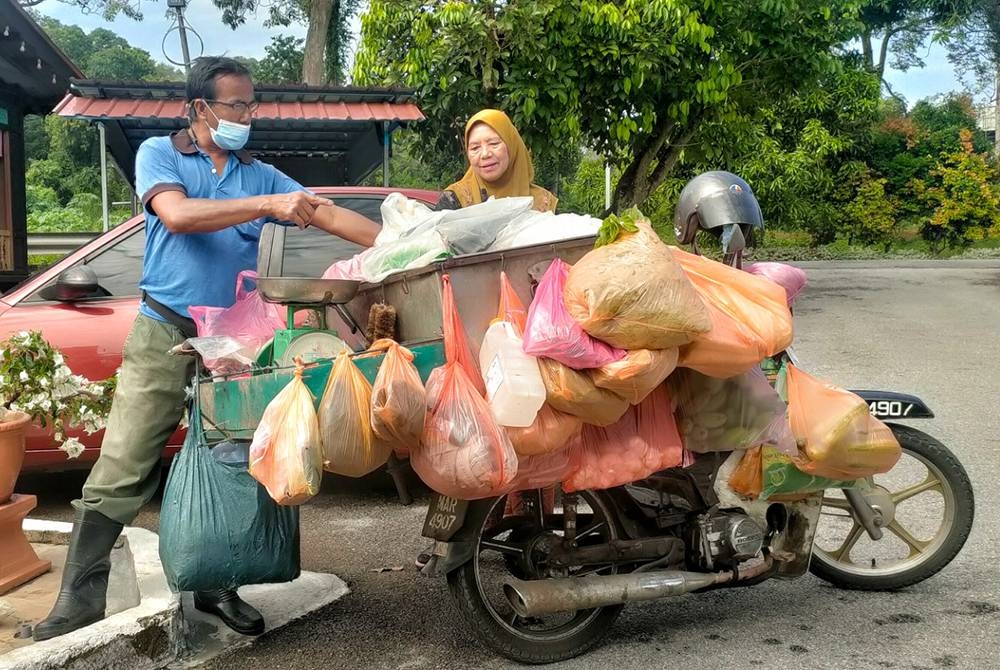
[(36, 385)]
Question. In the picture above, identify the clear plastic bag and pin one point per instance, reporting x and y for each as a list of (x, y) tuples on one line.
[(250, 320), (632, 294), (412, 251), (551, 331), (542, 471), (635, 376), (643, 441), (350, 446), (575, 393), (399, 401), (286, 451), (552, 431), (729, 414), (535, 227)]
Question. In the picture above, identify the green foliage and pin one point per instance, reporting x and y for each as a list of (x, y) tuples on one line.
[(615, 226), (870, 216), (282, 61), (584, 192)]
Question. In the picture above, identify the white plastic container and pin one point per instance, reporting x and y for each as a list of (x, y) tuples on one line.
[(514, 386)]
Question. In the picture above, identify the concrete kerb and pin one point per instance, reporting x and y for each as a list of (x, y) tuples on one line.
[(149, 626)]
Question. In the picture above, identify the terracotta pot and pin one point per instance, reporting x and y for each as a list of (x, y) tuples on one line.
[(11, 451)]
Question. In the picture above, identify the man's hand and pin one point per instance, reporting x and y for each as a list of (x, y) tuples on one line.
[(297, 207)]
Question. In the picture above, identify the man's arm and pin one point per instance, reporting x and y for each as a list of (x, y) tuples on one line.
[(181, 214), (346, 223)]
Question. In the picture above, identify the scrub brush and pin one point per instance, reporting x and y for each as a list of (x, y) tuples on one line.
[(381, 322)]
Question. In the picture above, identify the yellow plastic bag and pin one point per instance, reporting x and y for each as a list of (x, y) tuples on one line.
[(573, 392), (632, 294), (399, 401), (285, 454), (837, 436), (635, 376), (350, 446)]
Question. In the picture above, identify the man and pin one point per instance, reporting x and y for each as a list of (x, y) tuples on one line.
[(205, 201)]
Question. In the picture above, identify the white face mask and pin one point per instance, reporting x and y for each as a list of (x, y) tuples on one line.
[(229, 135)]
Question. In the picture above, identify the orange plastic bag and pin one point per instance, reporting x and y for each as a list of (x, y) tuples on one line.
[(286, 451), (747, 478), (750, 318), (540, 472), (350, 446), (635, 376), (511, 308), (552, 431), (837, 436), (575, 393), (464, 453), (644, 441), (456, 341), (399, 401), (632, 294)]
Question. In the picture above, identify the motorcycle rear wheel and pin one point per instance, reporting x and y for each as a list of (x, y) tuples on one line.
[(534, 641), (945, 486)]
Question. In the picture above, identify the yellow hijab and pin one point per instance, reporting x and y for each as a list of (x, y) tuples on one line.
[(516, 181)]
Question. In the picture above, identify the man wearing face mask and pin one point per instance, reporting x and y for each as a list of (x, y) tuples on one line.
[(206, 200)]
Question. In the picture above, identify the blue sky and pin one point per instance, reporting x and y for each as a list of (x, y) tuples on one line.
[(937, 77)]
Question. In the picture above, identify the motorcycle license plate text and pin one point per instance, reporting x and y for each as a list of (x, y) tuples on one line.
[(890, 409), (444, 517)]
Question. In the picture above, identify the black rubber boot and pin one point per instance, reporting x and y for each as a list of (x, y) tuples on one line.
[(234, 612), (84, 590)]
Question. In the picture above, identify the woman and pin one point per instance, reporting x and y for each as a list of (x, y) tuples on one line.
[(499, 166)]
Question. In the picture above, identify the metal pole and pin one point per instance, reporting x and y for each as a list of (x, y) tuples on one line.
[(179, 6), (607, 185), (105, 213), (386, 138)]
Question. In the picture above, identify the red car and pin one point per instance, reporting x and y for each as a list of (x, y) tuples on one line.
[(91, 332)]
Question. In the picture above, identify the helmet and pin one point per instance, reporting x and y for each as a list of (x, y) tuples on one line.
[(721, 203)]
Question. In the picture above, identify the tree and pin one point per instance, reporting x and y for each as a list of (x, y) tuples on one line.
[(975, 49), (282, 61), (636, 80)]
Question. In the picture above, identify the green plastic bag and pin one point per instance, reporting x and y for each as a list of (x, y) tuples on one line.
[(781, 477), (219, 528)]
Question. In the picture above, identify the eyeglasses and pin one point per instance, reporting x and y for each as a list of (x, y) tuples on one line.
[(240, 108)]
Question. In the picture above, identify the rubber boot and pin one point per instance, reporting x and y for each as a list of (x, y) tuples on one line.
[(235, 612), (84, 590)]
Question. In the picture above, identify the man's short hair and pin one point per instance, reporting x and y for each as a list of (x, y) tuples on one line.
[(204, 72)]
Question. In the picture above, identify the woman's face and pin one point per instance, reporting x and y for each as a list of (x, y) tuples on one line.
[(487, 153)]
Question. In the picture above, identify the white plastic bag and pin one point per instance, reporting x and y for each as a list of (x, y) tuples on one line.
[(540, 227), (473, 229), (400, 216)]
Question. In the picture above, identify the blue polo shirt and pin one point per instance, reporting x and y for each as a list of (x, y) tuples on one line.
[(184, 269)]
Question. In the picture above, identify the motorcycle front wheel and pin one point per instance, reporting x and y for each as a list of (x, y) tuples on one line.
[(516, 546), (927, 506)]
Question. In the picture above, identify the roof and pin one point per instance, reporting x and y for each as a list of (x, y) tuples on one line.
[(30, 64), (300, 126)]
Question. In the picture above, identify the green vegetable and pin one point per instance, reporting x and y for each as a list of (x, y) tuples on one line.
[(614, 226)]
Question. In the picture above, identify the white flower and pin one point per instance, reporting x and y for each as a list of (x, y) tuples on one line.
[(23, 376), (73, 447), (58, 359), (43, 382)]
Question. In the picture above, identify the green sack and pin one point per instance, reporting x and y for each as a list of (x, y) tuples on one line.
[(219, 529), (781, 477)]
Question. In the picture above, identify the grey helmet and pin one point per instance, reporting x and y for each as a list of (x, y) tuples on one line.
[(721, 203)]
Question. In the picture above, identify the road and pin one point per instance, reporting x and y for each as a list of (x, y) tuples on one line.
[(930, 330)]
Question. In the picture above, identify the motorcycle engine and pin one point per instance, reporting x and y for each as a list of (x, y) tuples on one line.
[(723, 539)]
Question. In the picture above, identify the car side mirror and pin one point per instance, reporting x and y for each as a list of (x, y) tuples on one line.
[(74, 284)]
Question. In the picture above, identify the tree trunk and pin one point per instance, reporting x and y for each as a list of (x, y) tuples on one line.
[(313, 67), (866, 50)]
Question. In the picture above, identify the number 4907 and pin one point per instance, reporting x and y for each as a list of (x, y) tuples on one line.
[(889, 408)]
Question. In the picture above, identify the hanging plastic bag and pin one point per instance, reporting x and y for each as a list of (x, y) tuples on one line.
[(782, 480), (635, 376), (456, 342), (643, 441), (541, 472), (575, 393), (250, 320), (789, 277), (511, 307), (551, 331), (399, 401), (747, 478), (350, 446), (286, 453), (552, 431), (837, 436), (632, 294), (729, 414), (464, 453)]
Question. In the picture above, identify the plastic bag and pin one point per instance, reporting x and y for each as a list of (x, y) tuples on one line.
[(219, 528), (575, 393), (782, 480), (534, 227), (540, 472), (350, 446), (412, 251), (511, 307), (464, 453), (730, 348), (644, 441), (632, 294), (286, 452), (551, 331), (747, 478), (635, 376), (349, 268), (222, 354), (400, 216), (552, 431), (789, 277), (399, 401), (250, 320), (474, 228), (729, 414), (837, 436)]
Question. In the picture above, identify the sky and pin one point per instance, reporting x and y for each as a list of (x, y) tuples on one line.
[(250, 40)]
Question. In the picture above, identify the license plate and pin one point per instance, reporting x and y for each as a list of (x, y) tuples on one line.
[(445, 516)]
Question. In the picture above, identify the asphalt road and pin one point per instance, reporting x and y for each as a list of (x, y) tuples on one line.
[(928, 329)]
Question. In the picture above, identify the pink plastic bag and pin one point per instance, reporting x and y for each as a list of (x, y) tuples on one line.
[(349, 268), (789, 277), (250, 320), (645, 440), (539, 472), (551, 331)]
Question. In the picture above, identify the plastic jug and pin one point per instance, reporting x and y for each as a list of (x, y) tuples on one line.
[(514, 386)]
